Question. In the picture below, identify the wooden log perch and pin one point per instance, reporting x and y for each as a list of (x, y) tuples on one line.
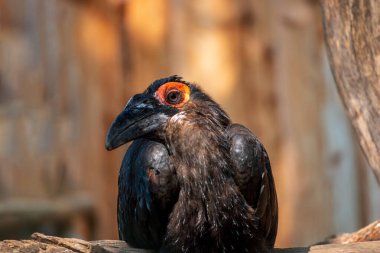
[(352, 34), (368, 233), (366, 240)]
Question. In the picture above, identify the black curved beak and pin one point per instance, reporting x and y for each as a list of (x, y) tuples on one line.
[(142, 115)]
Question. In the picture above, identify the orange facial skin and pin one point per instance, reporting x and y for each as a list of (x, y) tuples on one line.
[(164, 90)]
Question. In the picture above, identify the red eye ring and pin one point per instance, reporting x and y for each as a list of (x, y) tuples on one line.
[(175, 94), (174, 97)]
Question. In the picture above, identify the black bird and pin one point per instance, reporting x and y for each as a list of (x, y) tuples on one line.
[(191, 181)]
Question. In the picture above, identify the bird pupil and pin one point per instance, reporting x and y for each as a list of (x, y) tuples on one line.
[(174, 97)]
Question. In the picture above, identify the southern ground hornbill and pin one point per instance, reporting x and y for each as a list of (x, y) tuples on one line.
[(191, 181)]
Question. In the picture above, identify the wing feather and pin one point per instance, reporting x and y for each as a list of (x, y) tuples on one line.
[(253, 176), (148, 190)]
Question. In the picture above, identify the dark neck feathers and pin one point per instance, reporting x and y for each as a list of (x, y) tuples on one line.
[(209, 206)]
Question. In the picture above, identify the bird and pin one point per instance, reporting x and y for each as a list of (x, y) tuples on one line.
[(191, 180)]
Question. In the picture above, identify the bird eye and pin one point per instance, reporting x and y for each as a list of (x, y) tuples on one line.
[(174, 97)]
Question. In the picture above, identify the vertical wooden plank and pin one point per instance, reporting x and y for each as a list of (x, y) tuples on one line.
[(147, 28), (258, 56), (305, 192), (102, 94), (210, 49)]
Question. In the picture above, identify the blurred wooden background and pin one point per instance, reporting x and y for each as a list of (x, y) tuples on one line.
[(67, 67)]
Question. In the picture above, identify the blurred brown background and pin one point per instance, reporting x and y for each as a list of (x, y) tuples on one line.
[(67, 67)]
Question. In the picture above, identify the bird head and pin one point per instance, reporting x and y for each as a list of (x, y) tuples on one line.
[(147, 114)]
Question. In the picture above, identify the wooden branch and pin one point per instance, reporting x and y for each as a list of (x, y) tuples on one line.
[(44, 243), (354, 242), (352, 34), (368, 233)]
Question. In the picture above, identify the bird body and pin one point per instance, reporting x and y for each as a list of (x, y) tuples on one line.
[(191, 181)]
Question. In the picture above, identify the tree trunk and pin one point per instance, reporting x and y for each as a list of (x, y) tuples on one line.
[(352, 33)]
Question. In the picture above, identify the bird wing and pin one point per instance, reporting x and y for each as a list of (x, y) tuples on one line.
[(252, 174), (148, 189)]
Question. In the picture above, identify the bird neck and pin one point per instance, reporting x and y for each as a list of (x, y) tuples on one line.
[(199, 147), (200, 153), (209, 203)]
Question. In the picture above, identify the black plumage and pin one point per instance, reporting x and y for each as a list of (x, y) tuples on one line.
[(191, 181)]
